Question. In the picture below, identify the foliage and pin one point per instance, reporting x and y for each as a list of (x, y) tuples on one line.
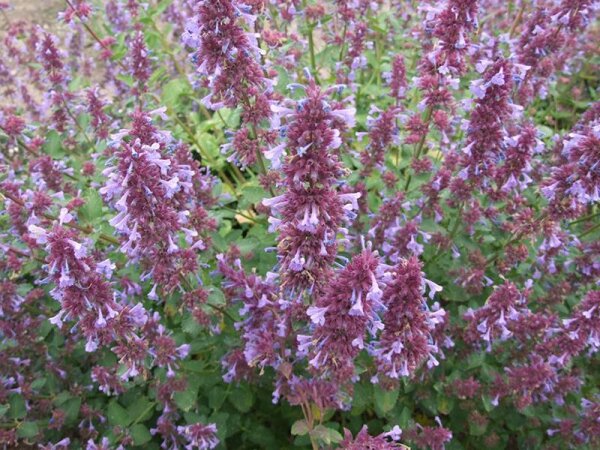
[(296, 224)]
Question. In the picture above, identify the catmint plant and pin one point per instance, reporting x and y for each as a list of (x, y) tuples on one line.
[(300, 224)]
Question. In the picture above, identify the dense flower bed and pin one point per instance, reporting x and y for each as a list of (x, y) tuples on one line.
[(301, 224)]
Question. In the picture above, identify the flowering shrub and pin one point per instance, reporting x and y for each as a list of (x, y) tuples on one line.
[(301, 224)]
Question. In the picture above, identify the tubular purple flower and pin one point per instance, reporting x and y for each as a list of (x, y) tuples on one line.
[(85, 296), (342, 315), (575, 179), (452, 27), (199, 436), (486, 132), (311, 211), (159, 193), (265, 324), (492, 322), (406, 341), (384, 441)]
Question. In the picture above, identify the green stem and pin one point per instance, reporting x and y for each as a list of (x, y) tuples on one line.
[(311, 50), (590, 231), (95, 36), (584, 219), (451, 236), (261, 161), (419, 147), (515, 237), (517, 20), (343, 48)]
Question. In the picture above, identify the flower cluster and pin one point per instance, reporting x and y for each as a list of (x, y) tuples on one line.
[(343, 314), (491, 322), (220, 219), (311, 209), (363, 440), (84, 293), (575, 180), (158, 193), (407, 340)]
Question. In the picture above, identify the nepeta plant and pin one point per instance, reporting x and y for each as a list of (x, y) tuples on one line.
[(300, 224)]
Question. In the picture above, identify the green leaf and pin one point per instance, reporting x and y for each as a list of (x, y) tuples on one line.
[(117, 415), (162, 6), (28, 430), (38, 384), (209, 145), (300, 428), (326, 435), (404, 418), (476, 429), (242, 398), (44, 328), (71, 408), (141, 409), (53, 145), (191, 326), (445, 405), (385, 400), (216, 297), (92, 209), (475, 360), (251, 195), (362, 398), (18, 410), (62, 398), (187, 399), (4, 409), (140, 434), (172, 91), (216, 397)]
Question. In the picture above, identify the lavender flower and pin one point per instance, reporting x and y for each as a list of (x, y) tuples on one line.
[(311, 210), (491, 322), (486, 132), (225, 54), (452, 27), (159, 197), (265, 325), (363, 440), (199, 436), (343, 314), (575, 180), (406, 340)]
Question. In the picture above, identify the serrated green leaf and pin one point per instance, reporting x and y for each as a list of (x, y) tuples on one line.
[(186, 399), (38, 383), (191, 326), (141, 409), (71, 408), (251, 195), (216, 397), (172, 91), (53, 145), (445, 405)]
